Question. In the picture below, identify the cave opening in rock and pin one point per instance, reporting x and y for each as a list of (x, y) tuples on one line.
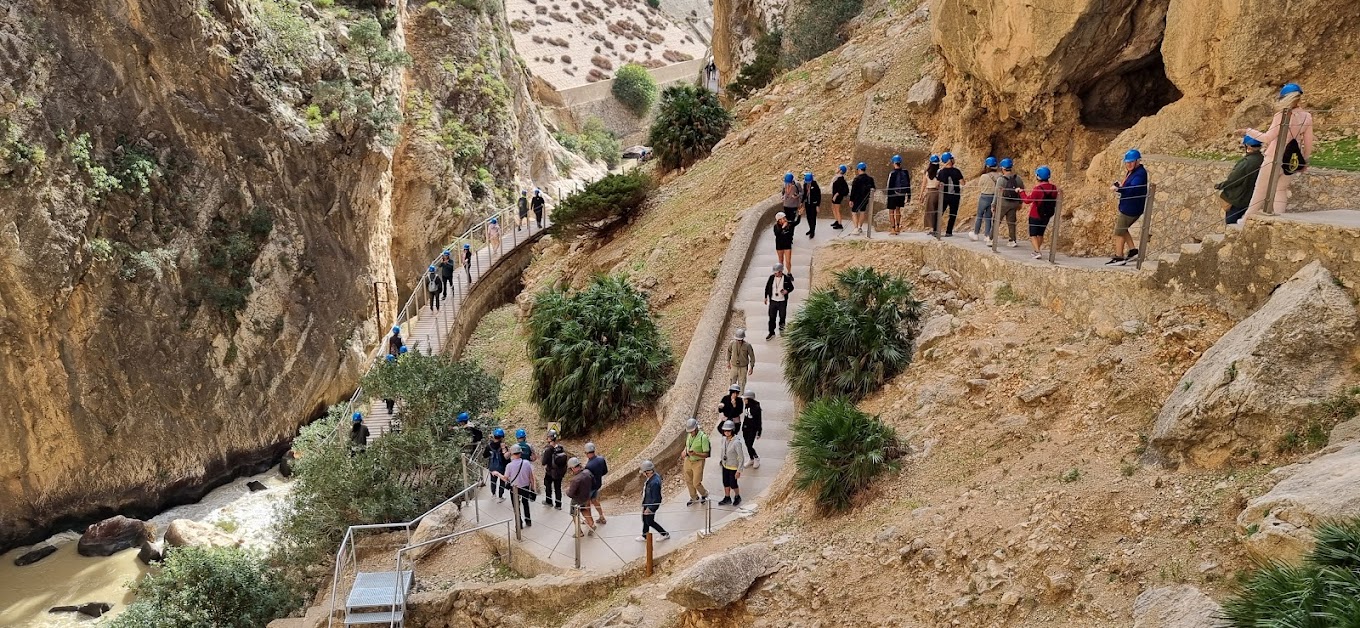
[(1119, 100)]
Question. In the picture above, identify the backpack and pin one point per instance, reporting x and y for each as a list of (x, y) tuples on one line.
[(432, 283), (527, 451), (1293, 158), (1008, 185), (559, 459), (1048, 205)]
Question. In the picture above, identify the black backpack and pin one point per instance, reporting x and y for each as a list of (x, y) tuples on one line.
[(1293, 158)]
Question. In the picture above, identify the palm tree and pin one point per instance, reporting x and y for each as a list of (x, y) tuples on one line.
[(689, 123), (1322, 592), (839, 450)]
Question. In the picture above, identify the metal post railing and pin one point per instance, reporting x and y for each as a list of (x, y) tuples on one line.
[(1053, 238), (939, 214), (515, 508), (1277, 164), (708, 516), (576, 531), (1144, 235)]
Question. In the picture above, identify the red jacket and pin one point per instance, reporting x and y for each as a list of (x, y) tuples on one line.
[(1043, 200)]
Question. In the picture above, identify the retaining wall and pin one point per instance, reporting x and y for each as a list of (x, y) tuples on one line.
[(498, 286)]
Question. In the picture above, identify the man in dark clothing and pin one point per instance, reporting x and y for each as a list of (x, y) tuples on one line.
[(1008, 187), (391, 403), (394, 343), (598, 467), (446, 267), (840, 189), (556, 463), (467, 261), (861, 191), (579, 494), (538, 204), (750, 427), (1132, 199), (731, 407), (497, 457), (899, 194), (474, 434), (812, 199), (358, 435), (651, 501), (951, 190), (777, 289), (434, 284), (523, 210), (1237, 188)]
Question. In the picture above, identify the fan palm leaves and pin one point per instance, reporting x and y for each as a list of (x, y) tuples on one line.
[(689, 123), (839, 450), (1323, 592)]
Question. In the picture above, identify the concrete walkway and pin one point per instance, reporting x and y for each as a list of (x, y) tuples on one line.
[(614, 544)]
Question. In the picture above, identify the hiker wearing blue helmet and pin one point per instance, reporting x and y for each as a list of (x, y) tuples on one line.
[(523, 205), (840, 190), (931, 199), (1132, 191), (1043, 204), (394, 343), (812, 200), (434, 284), (391, 403), (474, 433), (554, 469), (358, 434), (497, 457), (1008, 187), (791, 196), (1286, 150), (446, 267), (899, 194), (951, 191), (538, 204), (522, 439), (861, 194), (467, 261), (493, 238), (982, 225), (1236, 190)]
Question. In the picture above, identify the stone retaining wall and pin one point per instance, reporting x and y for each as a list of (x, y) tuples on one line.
[(498, 286)]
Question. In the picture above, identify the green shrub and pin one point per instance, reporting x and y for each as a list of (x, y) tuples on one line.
[(635, 88), (230, 250), (597, 354), (286, 40), (594, 142), (433, 387), (1311, 429), (851, 338), (1322, 593), (655, 4), (324, 4), (603, 204), (761, 70), (81, 152), (839, 451), (225, 587), (136, 168), (689, 123), (817, 28)]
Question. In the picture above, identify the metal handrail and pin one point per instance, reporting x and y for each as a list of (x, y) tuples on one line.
[(400, 591)]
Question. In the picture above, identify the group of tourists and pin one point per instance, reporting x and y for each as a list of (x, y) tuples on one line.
[(537, 204)]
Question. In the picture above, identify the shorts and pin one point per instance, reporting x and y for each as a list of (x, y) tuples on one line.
[(1123, 222), (1037, 227), (594, 494), (897, 202), (860, 207), (729, 478), (837, 199)]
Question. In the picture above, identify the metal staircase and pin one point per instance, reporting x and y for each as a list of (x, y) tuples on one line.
[(378, 598)]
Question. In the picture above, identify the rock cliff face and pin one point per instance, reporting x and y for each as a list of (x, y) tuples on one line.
[(194, 200)]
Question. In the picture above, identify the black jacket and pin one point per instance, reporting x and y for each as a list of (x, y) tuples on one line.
[(788, 286), (538, 203), (899, 184), (839, 189), (951, 181), (861, 188), (731, 411), (783, 236), (812, 195), (752, 422)]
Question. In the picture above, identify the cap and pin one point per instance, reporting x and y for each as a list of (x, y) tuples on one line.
[(734, 388), (691, 425), (946, 157), (861, 166), (740, 334), (515, 450), (647, 465), (1043, 173), (779, 268), (573, 462), (780, 215), (750, 393), (1248, 140), (463, 417), (842, 168), (729, 426), (1132, 155), (788, 177), (897, 159), (358, 417), (934, 159), (590, 448), (1290, 88), (521, 434), (990, 162), (499, 433), (1007, 163)]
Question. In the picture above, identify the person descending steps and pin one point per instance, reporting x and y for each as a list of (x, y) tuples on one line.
[(434, 284), (751, 426), (732, 460), (741, 358), (651, 501), (812, 199), (777, 289)]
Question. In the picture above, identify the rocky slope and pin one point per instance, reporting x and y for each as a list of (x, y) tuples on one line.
[(195, 198)]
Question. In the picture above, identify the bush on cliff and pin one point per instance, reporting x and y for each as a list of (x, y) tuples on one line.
[(433, 388), (603, 205), (761, 70), (819, 28), (1323, 591), (635, 88), (851, 338), (597, 354), (839, 451), (689, 123), (224, 587)]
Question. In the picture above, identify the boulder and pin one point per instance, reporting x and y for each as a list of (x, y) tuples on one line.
[(1042, 390), (721, 579), (1273, 365), (256, 486), (151, 553), (1180, 606), (34, 555), (113, 535), (935, 329), (924, 96), (286, 465), (89, 609), (190, 533), (1344, 431), (836, 78), (1279, 525), (444, 520), (872, 72)]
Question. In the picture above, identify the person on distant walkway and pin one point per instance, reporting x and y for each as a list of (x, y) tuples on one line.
[(783, 239), (358, 435), (467, 261), (732, 460), (951, 186), (538, 205), (391, 403), (651, 501), (1043, 203), (1289, 152), (812, 199), (434, 284), (522, 439), (493, 237), (791, 195), (1008, 187), (1132, 199), (730, 407), (899, 194), (598, 467), (446, 268), (519, 474), (861, 197), (839, 191), (741, 358), (497, 457), (523, 210), (579, 494), (931, 208), (1237, 189), (777, 289), (697, 450), (986, 200), (751, 427), (474, 433), (556, 462), (394, 343)]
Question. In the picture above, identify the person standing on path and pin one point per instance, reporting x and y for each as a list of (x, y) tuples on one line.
[(523, 210), (812, 199), (555, 459), (791, 195), (1296, 142), (446, 268), (522, 439), (1008, 186), (519, 474), (697, 450), (777, 289), (390, 403), (1132, 200), (434, 284), (538, 205), (1237, 189), (579, 494), (741, 358), (751, 427), (358, 435), (651, 501), (986, 200), (598, 467), (493, 237), (931, 209), (951, 186), (861, 196), (783, 239), (840, 190), (497, 457), (394, 343), (467, 262), (1043, 203), (730, 407), (899, 194), (732, 460)]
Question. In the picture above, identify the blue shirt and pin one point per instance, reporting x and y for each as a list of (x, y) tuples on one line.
[(598, 468), (1133, 192)]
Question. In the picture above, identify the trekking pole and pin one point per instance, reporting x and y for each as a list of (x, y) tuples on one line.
[(1057, 222)]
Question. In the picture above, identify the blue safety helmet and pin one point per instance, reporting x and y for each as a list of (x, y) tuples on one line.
[(1132, 155), (463, 417), (432, 269), (537, 191), (358, 417), (843, 169), (1248, 140), (861, 166), (1007, 163), (897, 159), (1043, 173), (495, 220), (524, 192), (934, 159), (807, 176), (1290, 88), (467, 246), (521, 434), (391, 357), (788, 177), (946, 157), (499, 433), (396, 330), (990, 163), (402, 350)]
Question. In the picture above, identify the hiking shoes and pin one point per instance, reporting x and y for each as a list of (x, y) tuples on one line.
[(726, 501), (736, 501), (689, 503), (1115, 260)]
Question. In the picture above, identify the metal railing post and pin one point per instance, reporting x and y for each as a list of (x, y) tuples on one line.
[(1277, 164), (939, 213), (576, 531), (514, 507), (649, 554), (708, 516), (1057, 222), (1144, 236)]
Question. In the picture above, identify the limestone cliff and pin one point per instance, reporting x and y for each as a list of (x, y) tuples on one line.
[(195, 197)]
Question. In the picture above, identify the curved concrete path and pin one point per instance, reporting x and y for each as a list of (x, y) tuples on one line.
[(614, 544)]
